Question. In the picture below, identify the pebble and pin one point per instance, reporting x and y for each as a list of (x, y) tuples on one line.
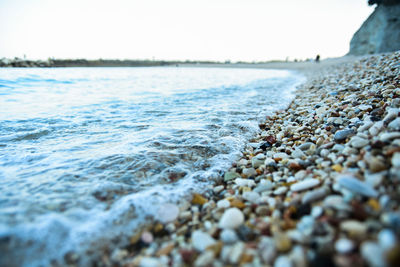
[(314, 195), (386, 137), (280, 190), (297, 153), (205, 259), (231, 219), (395, 125), (228, 236), (230, 176), (344, 245), (354, 228), (396, 160), (283, 261), (245, 182), (303, 185), (387, 239), (358, 142), (167, 212), (248, 172), (263, 187), (150, 262), (201, 240), (223, 204), (372, 254), (317, 211), (357, 186), (251, 196), (218, 189), (146, 237), (343, 134)]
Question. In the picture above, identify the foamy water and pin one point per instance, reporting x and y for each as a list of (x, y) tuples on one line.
[(86, 154)]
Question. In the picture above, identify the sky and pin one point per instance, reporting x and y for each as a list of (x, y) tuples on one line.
[(219, 30)]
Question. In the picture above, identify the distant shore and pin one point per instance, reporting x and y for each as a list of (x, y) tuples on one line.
[(66, 63)]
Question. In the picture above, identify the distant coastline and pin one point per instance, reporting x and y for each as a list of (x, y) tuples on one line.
[(63, 63)]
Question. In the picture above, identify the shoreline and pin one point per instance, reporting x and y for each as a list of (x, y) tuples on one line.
[(321, 188), (317, 186)]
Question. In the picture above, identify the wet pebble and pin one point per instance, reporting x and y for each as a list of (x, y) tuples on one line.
[(303, 185), (201, 240), (231, 219), (357, 186)]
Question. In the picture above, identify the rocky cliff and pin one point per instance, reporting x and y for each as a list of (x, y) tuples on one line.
[(380, 32)]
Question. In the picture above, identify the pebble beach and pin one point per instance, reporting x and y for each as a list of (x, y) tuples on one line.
[(318, 186)]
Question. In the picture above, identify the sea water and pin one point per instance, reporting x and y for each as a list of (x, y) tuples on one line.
[(89, 154)]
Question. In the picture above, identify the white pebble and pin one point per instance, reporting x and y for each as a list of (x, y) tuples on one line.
[(167, 212), (358, 142), (251, 196), (387, 239), (396, 160), (201, 240), (231, 219), (223, 204), (228, 236), (344, 245), (306, 184)]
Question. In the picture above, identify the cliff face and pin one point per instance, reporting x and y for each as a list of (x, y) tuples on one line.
[(379, 33)]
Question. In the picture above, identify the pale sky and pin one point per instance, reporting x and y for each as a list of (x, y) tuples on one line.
[(248, 30)]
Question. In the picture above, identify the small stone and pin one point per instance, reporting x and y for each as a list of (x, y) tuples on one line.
[(280, 190), (305, 146), (354, 228), (375, 164), (165, 250), (218, 189), (317, 211), (343, 134), (282, 242), (146, 237), (248, 172), (236, 203), (231, 219), (258, 160), (365, 126), (387, 239), (376, 128), (300, 175), (205, 259), (201, 240), (263, 187), (372, 254), (395, 125), (245, 182), (167, 212), (385, 137), (223, 204), (303, 185), (358, 142), (198, 199), (283, 261), (396, 160), (337, 168), (344, 246), (230, 176), (262, 210), (228, 236), (353, 184), (150, 262), (314, 195), (251, 196), (297, 153)]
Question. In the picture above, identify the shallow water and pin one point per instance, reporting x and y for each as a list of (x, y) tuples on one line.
[(87, 153)]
